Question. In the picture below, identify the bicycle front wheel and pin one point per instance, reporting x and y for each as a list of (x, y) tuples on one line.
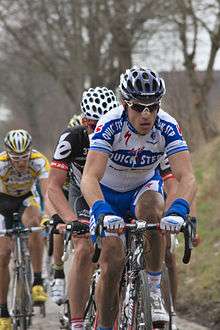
[(143, 318)]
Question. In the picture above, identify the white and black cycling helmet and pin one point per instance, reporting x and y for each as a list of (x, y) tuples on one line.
[(18, 141), (75, 120), (141, 84), (97, 101)]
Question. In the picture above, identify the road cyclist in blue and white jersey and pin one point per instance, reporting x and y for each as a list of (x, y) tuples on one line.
[(120, 178)]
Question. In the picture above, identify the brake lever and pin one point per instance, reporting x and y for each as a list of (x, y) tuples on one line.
[(189, 230)]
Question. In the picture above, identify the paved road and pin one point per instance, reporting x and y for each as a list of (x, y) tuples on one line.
[(51, 322)]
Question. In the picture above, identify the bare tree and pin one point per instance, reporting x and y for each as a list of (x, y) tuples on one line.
[(191, 18), (76, 44)]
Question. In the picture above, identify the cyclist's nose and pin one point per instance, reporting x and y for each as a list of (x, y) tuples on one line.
[(146, 114)]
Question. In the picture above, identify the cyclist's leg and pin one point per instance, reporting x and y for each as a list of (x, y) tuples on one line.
[(5, 251), (149, 206), (31, 217), (81, 269), (170, 260), (107, 291), (79, 279), (57, 256), (112, 261), (58, 282)]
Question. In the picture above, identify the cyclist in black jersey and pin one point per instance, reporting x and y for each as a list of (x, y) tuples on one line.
[(69, 156)]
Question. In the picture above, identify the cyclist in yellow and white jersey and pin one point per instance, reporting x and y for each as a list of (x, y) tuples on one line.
[(20, 167)]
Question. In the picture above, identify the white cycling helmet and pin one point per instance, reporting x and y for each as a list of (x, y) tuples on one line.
[(97, 101), (18, 141), (141, 84), (75, 120)]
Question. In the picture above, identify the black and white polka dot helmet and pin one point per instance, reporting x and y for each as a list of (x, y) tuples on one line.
[(97, 101), (141, 84)]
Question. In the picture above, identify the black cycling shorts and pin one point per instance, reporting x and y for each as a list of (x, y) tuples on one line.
[(10, 204)]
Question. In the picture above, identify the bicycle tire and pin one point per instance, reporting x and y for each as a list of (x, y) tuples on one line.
[(90, 310), (167, 297), (65, 316), (20, 313), (23, 311), (143, 317), (90, 314)]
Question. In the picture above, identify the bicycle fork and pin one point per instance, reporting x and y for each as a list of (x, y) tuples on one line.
[(20, 282)]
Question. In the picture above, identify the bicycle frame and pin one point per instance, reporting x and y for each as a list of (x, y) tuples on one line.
[(135, 263), (21, 282), (135, 277), (21, 298)]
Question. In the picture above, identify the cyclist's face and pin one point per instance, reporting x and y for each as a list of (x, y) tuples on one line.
[(90, 124), (20, 162), (141, 116)]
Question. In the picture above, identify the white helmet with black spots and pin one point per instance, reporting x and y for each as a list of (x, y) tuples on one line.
[(97, 101), (18, 141), (141, 84), (75, 120)]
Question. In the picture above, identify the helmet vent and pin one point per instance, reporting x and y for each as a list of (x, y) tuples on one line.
[(97, 101), (139, 85)]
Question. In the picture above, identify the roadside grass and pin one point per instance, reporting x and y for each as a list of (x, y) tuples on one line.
[(199, 282)]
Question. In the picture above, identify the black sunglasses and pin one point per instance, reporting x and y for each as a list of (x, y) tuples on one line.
[(143, 107)]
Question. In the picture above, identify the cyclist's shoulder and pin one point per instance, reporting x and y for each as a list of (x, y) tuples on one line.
[(35, 154), (72, 142), (4, 156), (77, 130), (168, 126), (115, 114), (4, 163), (38, 160), (112, 122), (165, 117)]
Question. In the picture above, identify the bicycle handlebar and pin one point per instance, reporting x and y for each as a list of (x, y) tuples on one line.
[(137, 226), (188, 229), (73, 228), (20, 230)]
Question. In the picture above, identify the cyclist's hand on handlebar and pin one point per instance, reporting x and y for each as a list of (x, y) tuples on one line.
[(172, 223), (113, 223), (61, 227), (196, 240)]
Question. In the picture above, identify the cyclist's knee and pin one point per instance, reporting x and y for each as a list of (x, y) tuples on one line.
[(170, 259), (83, 251), (153, 213), (112, 258), (31, 216), (5, 251)]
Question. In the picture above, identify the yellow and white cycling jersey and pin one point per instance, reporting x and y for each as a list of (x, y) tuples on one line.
[(17, 184)]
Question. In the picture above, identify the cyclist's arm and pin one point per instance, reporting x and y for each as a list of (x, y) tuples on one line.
[(94, 170), (55, 194), (43, 186), (170, 187), (182, 170)]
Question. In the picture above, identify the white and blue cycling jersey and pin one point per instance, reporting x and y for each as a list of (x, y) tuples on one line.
[(133, 158)]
